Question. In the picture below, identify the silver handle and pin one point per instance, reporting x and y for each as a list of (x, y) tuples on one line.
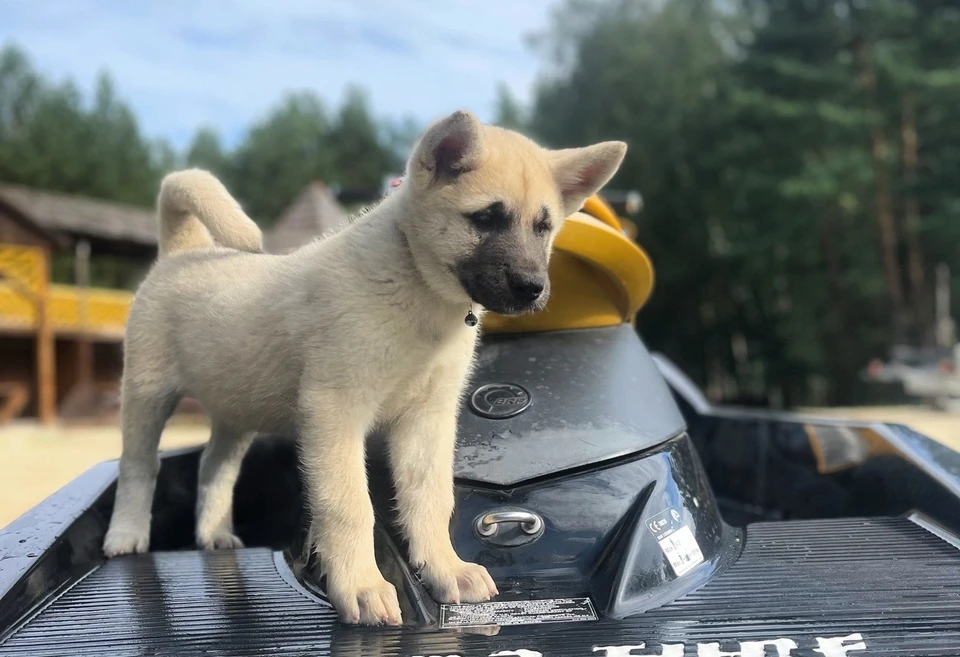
[(530, 523)]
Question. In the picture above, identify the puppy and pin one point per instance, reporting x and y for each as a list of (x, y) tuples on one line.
[(361, 330)]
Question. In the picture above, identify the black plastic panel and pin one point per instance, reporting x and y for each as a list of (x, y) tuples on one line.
[(762, 466), (596, 540), (53, 543), (888, 581), (596, 394)]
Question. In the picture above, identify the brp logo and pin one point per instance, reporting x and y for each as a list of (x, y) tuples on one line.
[(499, 400)]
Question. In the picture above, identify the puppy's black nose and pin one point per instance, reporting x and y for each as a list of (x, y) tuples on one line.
[(525, 287)]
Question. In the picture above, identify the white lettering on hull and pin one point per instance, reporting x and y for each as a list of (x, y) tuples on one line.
[(840, 646)]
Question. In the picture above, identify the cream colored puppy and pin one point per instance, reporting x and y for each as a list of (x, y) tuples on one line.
[(362, 330)]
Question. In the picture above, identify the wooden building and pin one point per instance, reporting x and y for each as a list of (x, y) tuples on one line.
[(314, 212), (68, 268)]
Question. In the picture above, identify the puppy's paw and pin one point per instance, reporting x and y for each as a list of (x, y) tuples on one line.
[(122, 541), (456, 581), (366, 600), (222, 540)]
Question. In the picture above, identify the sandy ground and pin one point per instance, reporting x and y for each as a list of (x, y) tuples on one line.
[(944, 427), (35, 462)]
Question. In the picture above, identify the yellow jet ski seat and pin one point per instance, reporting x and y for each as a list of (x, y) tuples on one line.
[(598, 276)]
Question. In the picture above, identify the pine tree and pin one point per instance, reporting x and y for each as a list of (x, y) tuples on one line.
[(508, 112), (359, 146), (206, 152), (48, 138), (280, 155)]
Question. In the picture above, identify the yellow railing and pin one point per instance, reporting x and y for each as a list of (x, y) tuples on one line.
[(106, 311), (25, 266), (98, 312)]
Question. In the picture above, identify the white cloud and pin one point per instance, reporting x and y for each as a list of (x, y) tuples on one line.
[(182, 63)]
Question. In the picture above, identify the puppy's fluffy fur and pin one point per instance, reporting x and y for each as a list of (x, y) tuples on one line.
[(360, 330)]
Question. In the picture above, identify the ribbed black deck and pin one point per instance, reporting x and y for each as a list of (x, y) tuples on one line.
[(889, 580)]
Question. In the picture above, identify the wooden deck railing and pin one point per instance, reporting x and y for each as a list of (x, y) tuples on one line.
[(96, 312), (106, 311)]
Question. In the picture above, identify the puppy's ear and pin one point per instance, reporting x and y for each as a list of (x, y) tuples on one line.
[(449, 147), (581, 172)]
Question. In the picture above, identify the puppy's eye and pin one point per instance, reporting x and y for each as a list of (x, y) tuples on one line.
[(542, 225), (493, 217)]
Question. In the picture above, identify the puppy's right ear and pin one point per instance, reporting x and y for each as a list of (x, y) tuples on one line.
[(449, 147)]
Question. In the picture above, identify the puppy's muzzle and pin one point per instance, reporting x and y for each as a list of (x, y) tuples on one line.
[(525, 288), (507, 292)]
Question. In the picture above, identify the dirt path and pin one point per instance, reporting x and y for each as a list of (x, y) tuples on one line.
[(35, 462)]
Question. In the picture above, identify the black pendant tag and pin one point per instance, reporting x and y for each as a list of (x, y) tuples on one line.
[(471, 319)]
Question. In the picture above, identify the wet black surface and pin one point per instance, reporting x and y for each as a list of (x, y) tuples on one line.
[(53, 543), (596, 463), (595, 395), (595, 539), (889, 581)]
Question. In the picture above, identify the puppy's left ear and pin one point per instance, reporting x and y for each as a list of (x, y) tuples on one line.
[(581, 172)]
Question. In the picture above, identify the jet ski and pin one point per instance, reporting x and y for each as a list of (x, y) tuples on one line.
[(618, 510)]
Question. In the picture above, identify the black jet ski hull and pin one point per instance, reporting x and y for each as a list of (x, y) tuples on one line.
[(668, 527), (870, 586)]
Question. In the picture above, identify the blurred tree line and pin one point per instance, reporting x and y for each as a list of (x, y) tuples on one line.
[(800, 167), (51, 138), (799, 162)]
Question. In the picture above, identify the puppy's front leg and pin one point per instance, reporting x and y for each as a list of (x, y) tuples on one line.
[(421, 448), (332, 448)]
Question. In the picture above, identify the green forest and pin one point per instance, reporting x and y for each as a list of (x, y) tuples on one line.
[(799, 162)]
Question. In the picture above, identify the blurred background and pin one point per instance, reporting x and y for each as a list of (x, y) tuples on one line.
[(793, 172)]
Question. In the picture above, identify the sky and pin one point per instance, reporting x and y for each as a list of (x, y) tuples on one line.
[(183, 64)]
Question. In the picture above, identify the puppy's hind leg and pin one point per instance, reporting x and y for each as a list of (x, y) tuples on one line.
[(219, 469), (144, 411)]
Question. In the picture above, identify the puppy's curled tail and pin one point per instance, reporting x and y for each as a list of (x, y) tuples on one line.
[(196, 211)]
